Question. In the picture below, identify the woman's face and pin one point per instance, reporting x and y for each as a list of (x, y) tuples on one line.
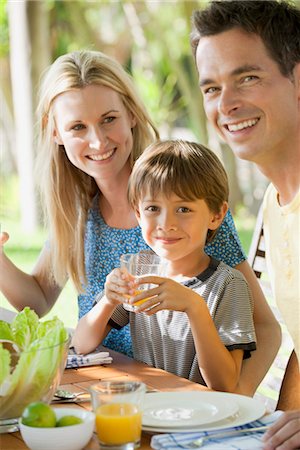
[(95, 129)]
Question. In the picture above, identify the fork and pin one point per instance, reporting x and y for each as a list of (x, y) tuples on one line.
[(197, 443)]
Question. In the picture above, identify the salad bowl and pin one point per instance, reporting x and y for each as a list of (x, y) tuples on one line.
[(32, 359)]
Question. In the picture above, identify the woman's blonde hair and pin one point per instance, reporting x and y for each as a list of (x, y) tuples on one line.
[(67, 192), (189, 170)]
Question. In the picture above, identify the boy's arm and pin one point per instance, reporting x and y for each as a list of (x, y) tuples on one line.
[(93, 327), (219, 367), (231, 308)]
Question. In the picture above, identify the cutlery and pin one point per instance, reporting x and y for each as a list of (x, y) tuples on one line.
[(197, 443), (62, 393), (63, 396)]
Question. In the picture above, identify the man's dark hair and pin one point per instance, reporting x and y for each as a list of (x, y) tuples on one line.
[(277, 23)]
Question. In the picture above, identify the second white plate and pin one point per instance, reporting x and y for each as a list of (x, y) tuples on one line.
[(182, 409), (249, 409)]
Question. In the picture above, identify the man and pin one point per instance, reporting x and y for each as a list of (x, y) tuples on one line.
[(248, 59)]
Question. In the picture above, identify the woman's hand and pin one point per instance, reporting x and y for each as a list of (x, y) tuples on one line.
[(3, 239), (285, 433)]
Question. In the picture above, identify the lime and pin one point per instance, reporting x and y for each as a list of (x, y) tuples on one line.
[(66, 421), (39, 414)]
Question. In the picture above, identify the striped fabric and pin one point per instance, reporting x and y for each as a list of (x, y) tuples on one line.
[(251, 441), (165, 340)]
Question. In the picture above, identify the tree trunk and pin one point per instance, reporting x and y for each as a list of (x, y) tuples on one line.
[(39, 29), (22, 104)]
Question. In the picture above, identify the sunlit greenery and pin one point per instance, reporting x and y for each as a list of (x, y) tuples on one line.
[(4, 38)]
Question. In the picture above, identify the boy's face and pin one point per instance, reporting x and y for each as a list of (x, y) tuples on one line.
[(176, 228), (252, 106)]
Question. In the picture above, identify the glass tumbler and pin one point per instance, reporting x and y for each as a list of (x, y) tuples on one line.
[(139, 265), (118, 407)]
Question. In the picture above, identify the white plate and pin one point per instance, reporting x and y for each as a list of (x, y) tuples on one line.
[(249, 409), (182, 409)]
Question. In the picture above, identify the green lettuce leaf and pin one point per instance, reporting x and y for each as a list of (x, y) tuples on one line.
[(5, 364), (39, 366), (5, 331), (24, 327)]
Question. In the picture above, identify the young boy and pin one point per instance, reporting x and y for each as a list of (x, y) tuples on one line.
[(198, 321)]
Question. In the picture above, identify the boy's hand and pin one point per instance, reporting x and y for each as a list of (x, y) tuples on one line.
[(117, 285), (169, 294)]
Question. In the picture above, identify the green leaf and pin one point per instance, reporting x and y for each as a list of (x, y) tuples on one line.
[(44, 347), (5, 364), (24, 327), (5, 331)]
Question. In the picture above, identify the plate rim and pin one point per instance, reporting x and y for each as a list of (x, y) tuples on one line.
[(242, 417)]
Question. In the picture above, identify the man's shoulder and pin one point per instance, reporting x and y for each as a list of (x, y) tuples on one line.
[(270, 195)]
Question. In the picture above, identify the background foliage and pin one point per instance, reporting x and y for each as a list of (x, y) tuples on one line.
[(151, 40)]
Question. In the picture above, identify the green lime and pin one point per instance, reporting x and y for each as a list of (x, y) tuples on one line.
[(66, 421), (39, 414)]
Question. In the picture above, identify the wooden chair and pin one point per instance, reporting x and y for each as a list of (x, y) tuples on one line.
[(268, 390), (257, 251), (257, 255)]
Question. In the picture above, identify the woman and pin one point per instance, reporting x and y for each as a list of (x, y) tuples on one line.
[(92, 127)]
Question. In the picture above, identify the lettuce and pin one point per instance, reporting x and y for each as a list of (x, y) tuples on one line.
[(24, 327), (39, 364), (5, 364), (5, 331)]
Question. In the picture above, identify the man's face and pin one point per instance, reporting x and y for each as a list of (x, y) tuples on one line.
[(252, 106)]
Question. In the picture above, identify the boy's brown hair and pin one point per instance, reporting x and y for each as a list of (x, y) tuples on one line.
[(188, 169)]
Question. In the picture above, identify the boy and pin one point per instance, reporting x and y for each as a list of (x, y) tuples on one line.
[(199, 318)]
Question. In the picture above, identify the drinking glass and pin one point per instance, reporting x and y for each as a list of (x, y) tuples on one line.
[(118, 408), (139, 265)]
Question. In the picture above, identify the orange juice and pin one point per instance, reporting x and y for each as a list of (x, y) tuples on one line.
[(137, 292), (118, 423)]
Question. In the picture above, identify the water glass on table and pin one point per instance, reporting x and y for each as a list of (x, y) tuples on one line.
[(118, 407), (142, 264)]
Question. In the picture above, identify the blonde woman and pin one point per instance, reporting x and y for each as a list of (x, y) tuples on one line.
[(93, 127)]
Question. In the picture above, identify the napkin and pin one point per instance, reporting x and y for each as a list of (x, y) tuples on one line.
[(91, 359), (252, 441)]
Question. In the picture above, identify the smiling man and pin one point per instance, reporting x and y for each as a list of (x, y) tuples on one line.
[(248, 59)]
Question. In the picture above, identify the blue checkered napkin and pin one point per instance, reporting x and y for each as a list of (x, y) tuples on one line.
[(91, 359), (251, 441)]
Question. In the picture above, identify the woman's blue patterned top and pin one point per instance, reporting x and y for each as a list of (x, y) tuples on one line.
[(104, 245)]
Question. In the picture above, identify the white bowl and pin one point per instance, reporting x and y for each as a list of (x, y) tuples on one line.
[(72, 437)]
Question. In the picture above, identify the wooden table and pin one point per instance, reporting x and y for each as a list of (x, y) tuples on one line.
[(122, 368)]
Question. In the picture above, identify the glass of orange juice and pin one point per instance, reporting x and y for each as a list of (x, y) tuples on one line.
[(139, 265), (118, 407)]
